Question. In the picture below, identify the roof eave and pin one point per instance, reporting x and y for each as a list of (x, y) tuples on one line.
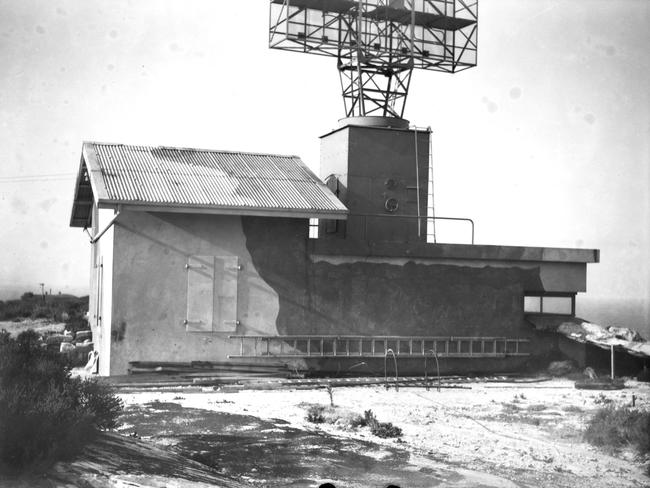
[(94, 172), (224, 210)]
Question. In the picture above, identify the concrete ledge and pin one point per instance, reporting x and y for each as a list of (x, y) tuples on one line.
[(348, 247)]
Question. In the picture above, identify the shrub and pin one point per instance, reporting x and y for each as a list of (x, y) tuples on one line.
[(381, 429), (45, 414), (357, 421), (75, 323), (60, 308), (614, 428), (603, 400), (572, 408), (315, 414)]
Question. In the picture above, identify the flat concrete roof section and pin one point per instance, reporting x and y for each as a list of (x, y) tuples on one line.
[(478, 252)]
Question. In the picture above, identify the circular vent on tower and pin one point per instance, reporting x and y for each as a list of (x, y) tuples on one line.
[(391, 204)]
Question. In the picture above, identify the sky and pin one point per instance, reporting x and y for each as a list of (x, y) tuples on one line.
[(544, 143)]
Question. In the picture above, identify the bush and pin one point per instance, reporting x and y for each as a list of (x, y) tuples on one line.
[(76, 323), (45, 414), (59, 308), (614, 428), (381, 429), (315, 414)]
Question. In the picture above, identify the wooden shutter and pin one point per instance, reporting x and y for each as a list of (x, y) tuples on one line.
[(226, 277), (212, 294), (200, 293)]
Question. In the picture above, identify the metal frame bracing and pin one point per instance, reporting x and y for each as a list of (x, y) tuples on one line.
[(378, 43)]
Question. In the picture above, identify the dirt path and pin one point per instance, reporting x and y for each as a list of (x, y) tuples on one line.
[(530, 434)]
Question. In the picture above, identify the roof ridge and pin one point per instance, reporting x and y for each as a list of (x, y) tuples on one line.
[(197, 149)]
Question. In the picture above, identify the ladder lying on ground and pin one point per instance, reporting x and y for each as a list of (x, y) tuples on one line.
[(305, 346)]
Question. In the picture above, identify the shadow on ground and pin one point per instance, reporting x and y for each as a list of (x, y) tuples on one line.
[(273, 454)]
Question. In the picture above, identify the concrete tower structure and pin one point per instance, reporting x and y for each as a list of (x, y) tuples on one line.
[(378, 167)]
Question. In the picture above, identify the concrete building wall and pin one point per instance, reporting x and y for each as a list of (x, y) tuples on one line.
[(150, 290), (376, 165), (283, 288), (404, 297), (101, 287)]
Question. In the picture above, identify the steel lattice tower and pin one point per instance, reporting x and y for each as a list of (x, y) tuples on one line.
[(378, 43)]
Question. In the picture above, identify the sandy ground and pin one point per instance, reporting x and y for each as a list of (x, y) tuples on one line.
[(528, 433)]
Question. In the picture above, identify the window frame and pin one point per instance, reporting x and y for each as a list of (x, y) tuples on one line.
[(542, 295)]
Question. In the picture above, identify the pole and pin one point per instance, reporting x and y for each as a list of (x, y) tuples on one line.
[(362, 102), (417, 179), (612, 361)]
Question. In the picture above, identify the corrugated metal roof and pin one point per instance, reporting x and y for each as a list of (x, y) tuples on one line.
[(197, 178)]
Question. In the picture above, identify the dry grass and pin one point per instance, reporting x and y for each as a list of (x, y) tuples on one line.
[(618, 427)]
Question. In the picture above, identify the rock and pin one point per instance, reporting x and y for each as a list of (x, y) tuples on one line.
[(82, 335), (57, 339), (79, 356), (560, 368), (625, 334), (66, 347), (86, 347)]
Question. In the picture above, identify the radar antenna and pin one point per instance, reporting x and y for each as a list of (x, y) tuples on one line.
[(378, 43)]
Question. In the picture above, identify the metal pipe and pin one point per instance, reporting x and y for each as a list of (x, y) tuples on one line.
[(386, 369), (417, 166), (412, 30), (462, 219), (426, 375), (93, 240), (612, 361)]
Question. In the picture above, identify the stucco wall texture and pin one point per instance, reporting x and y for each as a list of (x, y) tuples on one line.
[(150, 288), (382, 298), (283, 289)]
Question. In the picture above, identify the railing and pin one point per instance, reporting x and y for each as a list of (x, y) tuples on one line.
[(421, 218), (318, 346)]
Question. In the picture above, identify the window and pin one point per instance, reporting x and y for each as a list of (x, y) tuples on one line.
[(558, 304), (532, 304), (313, 228)]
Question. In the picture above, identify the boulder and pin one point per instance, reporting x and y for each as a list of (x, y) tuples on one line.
[(57, 339), (85, 348), (561, 368), (82, 335)]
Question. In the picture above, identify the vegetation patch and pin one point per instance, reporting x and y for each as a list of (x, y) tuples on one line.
[(315, 414), (617, 427), (538, 407), (45, 414), (510, 407), (601, 399), (572, 408), (57, 308), (346, 419), (381, 429)]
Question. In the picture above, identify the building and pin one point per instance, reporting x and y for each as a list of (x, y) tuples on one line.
[(213, 256)]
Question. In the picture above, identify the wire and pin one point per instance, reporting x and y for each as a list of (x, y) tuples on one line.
[(37, 177)]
